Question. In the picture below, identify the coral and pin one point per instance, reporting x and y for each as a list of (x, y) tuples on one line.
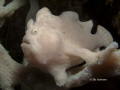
[(9, 9), (56, 43), (11, 72), (108, 67), (34, 7)]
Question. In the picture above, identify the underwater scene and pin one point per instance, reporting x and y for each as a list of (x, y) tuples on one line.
[(59, 44)]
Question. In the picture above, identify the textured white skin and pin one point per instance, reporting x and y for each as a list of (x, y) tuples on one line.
[(12, 73), (109, 66), (56, 43)]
